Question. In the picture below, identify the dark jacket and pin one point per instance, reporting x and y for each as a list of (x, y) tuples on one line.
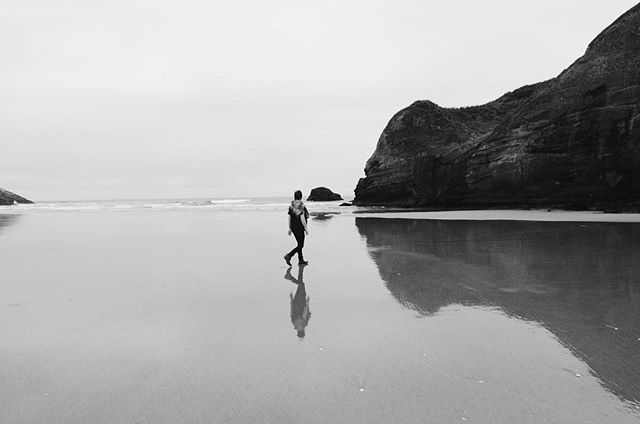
[(295, 225)]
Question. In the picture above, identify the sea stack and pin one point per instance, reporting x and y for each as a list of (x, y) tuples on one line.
[(323, 194), (9, 198), (572, 141)]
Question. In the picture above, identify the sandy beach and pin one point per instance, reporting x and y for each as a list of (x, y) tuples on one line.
[(542, 215), (191, 316)]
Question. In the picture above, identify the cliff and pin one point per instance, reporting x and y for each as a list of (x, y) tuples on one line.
[(572, 141), (9, 198)]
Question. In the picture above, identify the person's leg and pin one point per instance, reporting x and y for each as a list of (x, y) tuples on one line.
[(298, 248), (294, 251), (300, 239)]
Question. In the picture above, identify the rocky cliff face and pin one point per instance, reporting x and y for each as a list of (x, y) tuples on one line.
[(8, 198), (572, 141)]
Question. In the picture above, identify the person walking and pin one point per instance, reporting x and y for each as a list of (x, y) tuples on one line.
[(298, 216)]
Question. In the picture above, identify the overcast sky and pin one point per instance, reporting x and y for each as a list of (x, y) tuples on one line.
[(103, 99)]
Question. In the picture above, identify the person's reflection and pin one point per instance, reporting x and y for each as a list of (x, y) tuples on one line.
[(300, 313)]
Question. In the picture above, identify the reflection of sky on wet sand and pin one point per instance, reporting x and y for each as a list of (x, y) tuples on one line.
[(576, 279), (185, 317)]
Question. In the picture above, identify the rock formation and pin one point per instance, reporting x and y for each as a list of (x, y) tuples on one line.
[(8, 198), (323, 194), (572, 141)]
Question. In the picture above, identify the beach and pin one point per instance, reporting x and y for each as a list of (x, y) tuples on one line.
[(189, 315)]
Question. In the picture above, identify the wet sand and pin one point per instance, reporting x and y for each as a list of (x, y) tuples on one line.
[(192, 317), (543, 215)]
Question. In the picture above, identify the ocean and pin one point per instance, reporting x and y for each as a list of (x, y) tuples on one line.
[(205, 204)]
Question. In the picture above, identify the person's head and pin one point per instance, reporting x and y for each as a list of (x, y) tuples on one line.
[(297, 195)]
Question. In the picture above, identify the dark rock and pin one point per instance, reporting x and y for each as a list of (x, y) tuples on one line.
[(323, 194), (346, 204), (573, 140), (9, 198)]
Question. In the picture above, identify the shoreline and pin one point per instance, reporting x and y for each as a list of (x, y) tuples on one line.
[(323, 210)]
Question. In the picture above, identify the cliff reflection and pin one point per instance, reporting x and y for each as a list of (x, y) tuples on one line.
[(579, 280)]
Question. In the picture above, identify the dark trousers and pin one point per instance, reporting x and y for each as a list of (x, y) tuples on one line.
[(299, 235)]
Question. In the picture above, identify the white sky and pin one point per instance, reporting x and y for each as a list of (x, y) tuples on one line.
[(152, 99)]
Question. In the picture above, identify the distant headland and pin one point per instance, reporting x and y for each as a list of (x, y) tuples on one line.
[(571, 142), (9, 198)]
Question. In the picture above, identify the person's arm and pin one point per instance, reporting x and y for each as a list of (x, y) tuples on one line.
[(289, 224)]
